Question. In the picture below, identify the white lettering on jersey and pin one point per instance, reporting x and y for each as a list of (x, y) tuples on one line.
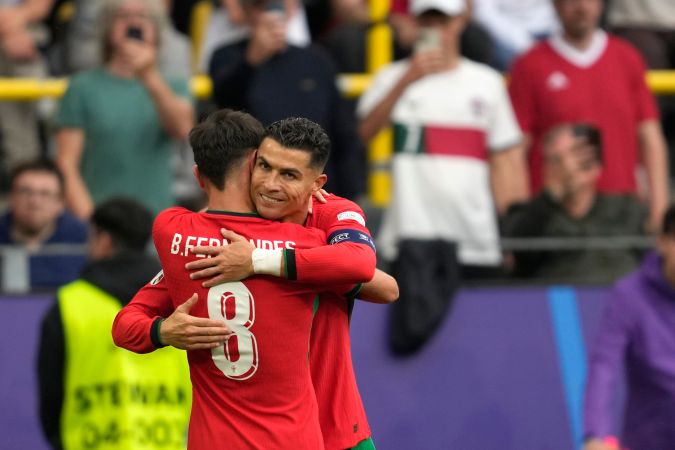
[(352, 215), (182, 245)]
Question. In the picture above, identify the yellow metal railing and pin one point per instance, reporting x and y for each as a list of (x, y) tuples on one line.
[(661, 82), (378, 54)]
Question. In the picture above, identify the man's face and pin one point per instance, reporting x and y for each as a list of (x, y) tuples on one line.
[(282, 181), (579, 18), (448, 29), (571, 160), (35, 201)]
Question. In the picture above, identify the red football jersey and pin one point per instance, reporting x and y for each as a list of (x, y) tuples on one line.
[(254, 392), (547, 89), (343, 418)]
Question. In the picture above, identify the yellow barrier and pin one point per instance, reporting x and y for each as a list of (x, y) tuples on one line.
[(661, 82), (378, 54), (26, 89)]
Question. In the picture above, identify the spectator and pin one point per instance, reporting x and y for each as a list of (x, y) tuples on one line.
[(20, 36), (570, 207), (91, 392), (229, 23), (37, 217), (475, 42), (341, 26), (116, 122), (273, 80), (637, 336), (455, 137), (514, 25), (84, 50), (584, 74)]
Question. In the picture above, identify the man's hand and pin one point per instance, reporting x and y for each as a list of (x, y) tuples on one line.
[(320, 195), (19, 46), (12, 19), (181, 330), (425, 63), (141, 56), (232, 262)]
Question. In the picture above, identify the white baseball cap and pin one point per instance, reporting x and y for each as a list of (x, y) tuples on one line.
[(448, 7)]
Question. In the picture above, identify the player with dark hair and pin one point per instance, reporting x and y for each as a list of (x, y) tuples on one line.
[(282, 182), (254, 391)]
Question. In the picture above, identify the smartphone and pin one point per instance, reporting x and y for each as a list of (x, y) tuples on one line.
[(135, 33), (428, 39)]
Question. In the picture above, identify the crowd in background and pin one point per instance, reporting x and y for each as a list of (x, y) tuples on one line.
[(571, 147)]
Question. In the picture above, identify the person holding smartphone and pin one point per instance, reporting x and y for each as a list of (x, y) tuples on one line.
[(116, 122)]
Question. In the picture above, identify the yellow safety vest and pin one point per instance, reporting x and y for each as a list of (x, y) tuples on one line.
[(113, 398)]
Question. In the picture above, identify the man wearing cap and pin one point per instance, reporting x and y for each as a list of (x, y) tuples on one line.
[(458, 155)]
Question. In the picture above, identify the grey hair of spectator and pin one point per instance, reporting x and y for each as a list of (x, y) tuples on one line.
[(157, 13)]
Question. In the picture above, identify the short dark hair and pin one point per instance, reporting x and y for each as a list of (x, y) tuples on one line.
[(669, 221), (38, 165), (298, 133), (589, 132), (593, 137), (222, 140), (127, 221)]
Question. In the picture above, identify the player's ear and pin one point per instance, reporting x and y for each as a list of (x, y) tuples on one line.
[(320, 181), (195, 172), (251, 160)]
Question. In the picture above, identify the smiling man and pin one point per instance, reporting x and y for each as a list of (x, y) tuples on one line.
[(287, 170)]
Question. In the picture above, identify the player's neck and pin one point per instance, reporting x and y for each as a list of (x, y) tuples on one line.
[(232, 198), (300, 218), (581, 41)]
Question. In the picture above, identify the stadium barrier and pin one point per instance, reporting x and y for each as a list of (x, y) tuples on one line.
[(15, 270), (505, 371)]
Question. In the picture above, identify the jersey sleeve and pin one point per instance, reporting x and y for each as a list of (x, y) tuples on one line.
[(136, 326), (352, 261), (644, 100), (522, 93), (503, 131)]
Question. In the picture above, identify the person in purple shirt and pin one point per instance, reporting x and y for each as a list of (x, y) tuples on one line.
[(637, 333), (36, 217)]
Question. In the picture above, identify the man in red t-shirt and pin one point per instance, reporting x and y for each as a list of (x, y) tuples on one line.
[(253, 389), (343, 420), (586, 75)]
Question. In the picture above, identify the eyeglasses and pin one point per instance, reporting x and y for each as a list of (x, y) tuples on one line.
[(41, 194)]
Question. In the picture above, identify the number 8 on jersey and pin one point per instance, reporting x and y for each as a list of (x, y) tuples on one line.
[(233, 304)]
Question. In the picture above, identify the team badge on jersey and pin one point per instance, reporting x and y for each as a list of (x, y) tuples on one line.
[(557, 81), (157, 278), (352, 215)]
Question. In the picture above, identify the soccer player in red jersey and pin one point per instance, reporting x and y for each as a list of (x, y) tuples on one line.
[(255, 390), (343, 419)]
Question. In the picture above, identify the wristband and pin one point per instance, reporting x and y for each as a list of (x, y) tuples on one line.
[(267, 262)]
